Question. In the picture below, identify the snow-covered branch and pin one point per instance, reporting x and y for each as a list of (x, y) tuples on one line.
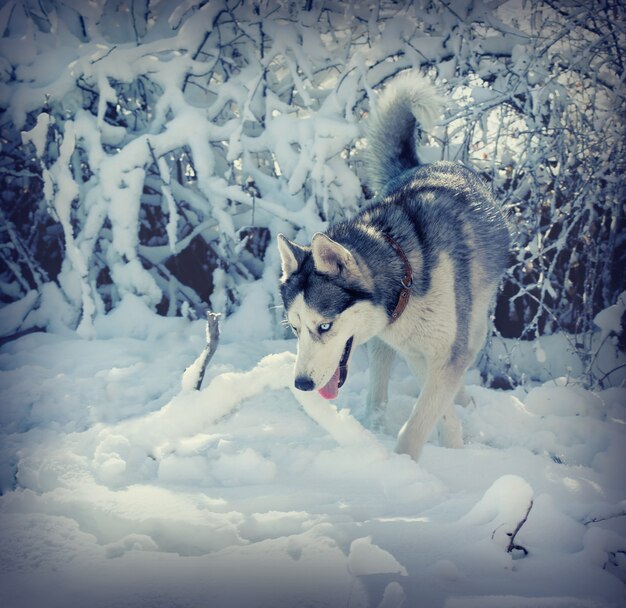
[(131, 137)]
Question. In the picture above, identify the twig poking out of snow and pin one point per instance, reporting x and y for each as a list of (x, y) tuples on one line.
[(504, 509), (194, 374), (512, 546)]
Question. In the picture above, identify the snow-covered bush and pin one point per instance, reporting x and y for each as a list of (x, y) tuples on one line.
[(156, 148)]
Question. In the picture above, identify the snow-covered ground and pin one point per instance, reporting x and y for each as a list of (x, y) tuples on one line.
[(121, 488)]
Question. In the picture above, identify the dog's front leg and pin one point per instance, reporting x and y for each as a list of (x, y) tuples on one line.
[(436, 399), (381, 356)]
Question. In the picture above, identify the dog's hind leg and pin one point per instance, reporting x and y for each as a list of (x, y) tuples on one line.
[(381, 356), (477, 341), (436, 399), (463, 397)]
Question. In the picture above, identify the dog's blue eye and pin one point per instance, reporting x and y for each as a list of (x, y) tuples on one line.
[(324, 327)]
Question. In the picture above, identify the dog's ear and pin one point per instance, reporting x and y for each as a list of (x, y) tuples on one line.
[(329, 257), (291, 256)]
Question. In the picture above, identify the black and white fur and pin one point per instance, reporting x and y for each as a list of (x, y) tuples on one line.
[(342, 289)]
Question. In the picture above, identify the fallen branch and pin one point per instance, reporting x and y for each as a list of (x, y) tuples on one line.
[(31, 330), (595, 520)]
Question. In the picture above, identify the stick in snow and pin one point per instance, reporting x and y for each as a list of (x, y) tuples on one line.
[(512, 545), (212, 340)]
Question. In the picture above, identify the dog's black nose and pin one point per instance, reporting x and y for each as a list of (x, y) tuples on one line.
[(304, 384)]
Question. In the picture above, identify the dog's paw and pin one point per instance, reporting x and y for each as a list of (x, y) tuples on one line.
[(407, 444), (451, 440), (376, 420), (450, 432)]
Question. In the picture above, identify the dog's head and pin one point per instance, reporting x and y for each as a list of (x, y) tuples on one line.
[(327, 292)]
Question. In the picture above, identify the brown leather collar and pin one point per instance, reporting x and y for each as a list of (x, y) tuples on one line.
[(406, 281)]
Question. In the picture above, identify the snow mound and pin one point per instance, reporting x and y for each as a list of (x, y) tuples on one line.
[(503, 507), (367, 558), (122, 487), (511, 601)]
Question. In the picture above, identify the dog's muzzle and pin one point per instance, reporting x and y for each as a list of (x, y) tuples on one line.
[(331, 389)]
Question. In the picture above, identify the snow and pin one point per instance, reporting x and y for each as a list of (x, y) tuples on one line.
[(14, 314), (368, 558), (123, 486), (609, 320)]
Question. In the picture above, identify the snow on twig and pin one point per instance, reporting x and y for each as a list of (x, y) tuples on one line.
[(194, 374)]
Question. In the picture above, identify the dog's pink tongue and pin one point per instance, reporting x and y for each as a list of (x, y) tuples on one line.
[(331, 389)]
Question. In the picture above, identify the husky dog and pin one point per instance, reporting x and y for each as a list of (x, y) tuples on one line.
[(413, 273)]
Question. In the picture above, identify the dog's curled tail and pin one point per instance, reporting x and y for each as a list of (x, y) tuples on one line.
[(406, 109)]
